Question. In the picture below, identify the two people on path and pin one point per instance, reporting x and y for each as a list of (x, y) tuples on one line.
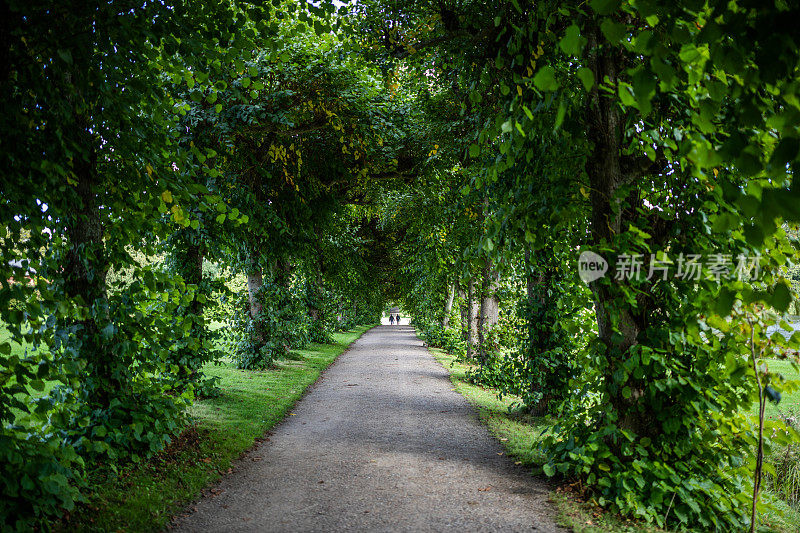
[(392, 319)]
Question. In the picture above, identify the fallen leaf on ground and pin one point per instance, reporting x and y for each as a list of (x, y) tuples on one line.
[(485, 489), (206, 460)]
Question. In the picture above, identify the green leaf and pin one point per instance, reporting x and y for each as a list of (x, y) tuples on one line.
[(549, 470), (66, 55), (527, 112), (560, 114), (773, 395), (626, 95), (785, 152), (587, 78), (572, 43), (474, 150), (781, 297), (724, 302), (220, 218), (754, 235), (545, 79), (604, 7)]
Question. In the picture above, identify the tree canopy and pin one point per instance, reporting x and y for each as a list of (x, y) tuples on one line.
[(284, 169)]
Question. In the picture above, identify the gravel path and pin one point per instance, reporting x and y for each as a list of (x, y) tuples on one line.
[(380, 443)]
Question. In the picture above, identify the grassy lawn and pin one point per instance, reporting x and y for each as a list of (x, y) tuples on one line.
[(144, 497), (520, 435), (790, 402)]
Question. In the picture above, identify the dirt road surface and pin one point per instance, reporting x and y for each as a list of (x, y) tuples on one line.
[(381, 443)]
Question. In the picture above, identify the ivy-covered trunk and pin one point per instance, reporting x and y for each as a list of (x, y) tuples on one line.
[(470, 317), (463, 311), (611, 176), (317, 309), (283, 272), (85, 270), (188, 257), (255, 284), (85, 279), (535, 282)]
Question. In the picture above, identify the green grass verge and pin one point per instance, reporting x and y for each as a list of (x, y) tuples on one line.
[(520, 434), (144, 497), (790, 402)]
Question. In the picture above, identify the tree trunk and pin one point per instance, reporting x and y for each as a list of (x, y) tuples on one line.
[(283, 272), (316, 311), (194, 271), (448, 306), (463, 310), (190, 267), (470, 316), (255, 282), (85, 270), (539, 329), (604, 168), (485, 304)]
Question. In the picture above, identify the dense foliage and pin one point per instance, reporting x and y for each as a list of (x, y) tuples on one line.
[(182, 177), (132, 160), (655, 134)]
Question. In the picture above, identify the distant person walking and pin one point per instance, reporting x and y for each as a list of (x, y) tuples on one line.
[(391, 320), (397, 318)]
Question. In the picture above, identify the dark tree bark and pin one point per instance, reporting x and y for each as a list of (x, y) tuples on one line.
[(189, 264), (470, 317), (536, 285), (463, 310), (609, 171), (283, 272), (85, 270)]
